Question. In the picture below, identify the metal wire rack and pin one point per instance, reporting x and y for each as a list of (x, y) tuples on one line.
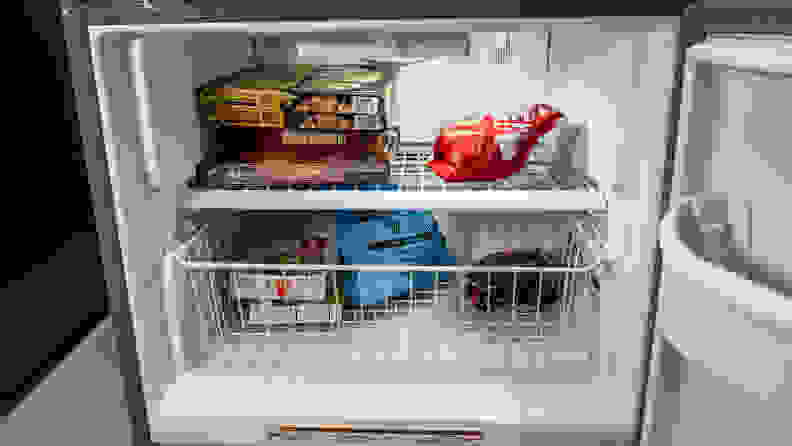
[(212, 278), (407, 172)]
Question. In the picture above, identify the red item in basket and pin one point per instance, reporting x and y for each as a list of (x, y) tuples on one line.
[(309, 252), (468, 151), (475, 295)]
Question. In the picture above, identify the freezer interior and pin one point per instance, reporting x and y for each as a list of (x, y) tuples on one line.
[(427, 355), (429, 339)]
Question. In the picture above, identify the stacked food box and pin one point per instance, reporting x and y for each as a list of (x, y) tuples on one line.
[(328, 128), (343, 112), (252, 107)]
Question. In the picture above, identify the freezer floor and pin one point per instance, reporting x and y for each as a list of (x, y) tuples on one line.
[(418, 348)]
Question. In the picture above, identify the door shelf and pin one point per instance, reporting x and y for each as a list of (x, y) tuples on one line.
[(412, 185), (732, 294)]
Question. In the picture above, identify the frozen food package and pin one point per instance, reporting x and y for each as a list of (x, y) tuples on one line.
[(400, 237), (470, 150)]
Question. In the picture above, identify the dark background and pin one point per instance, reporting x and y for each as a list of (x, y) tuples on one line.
[(51, 282)]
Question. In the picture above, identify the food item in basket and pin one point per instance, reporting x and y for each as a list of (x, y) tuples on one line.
[(497, 289), (322, 242), (469, 150), (310, 251), (291, 287), (284, 256), (314, 249), (300, 257), (399, 237)]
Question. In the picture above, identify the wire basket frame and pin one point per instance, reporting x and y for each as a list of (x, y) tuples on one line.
[(212, 283)]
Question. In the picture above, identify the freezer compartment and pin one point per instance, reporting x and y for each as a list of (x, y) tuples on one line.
[(428, 356)]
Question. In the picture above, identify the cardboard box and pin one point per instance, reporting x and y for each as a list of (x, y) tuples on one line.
[(323, 139), (295, 139), (228, 112), (325, 107), (327, 121)]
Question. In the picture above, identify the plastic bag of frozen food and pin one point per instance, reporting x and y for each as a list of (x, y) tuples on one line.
[(472, 150)]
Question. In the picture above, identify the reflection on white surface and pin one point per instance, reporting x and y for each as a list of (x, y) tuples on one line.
[(740, 329)]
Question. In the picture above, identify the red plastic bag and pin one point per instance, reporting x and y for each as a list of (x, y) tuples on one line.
[(469, 151)]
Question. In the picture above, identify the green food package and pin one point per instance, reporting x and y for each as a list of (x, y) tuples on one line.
[(266, 84), (321, 84), (355, 76), (208, 96), (302, 70), (374, 76)]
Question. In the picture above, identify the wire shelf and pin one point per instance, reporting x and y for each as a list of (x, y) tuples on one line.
[(407, 172), (410, 173)]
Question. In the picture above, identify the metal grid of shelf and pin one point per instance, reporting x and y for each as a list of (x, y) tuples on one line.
[(411, 184)]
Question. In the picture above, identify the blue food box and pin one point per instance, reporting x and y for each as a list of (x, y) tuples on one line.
[(401, 237)]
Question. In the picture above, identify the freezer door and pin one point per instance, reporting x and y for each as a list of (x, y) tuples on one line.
[(140, 147), (736, 73)]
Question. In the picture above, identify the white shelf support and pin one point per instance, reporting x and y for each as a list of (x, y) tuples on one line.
[(145, 122)]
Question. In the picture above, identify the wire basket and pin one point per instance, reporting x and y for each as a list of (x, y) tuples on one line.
[(309, 296)]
